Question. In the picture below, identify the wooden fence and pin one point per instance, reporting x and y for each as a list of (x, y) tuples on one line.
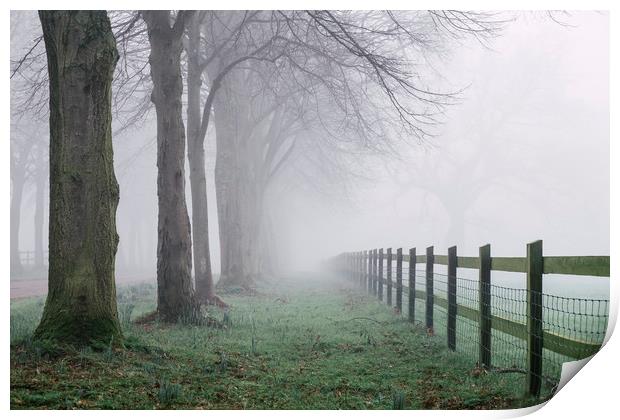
[(366, 268), (27, 258)]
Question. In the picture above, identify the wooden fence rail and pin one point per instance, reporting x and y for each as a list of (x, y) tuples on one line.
[(27, 258), (366, 269)]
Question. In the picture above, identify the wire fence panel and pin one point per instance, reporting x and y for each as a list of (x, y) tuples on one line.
[(535, 340)]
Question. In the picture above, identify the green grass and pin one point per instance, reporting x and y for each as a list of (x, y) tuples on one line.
[(305, 344)]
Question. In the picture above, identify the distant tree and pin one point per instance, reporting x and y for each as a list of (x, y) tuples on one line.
[(40, 180), (196, 120), (30, 108), (354, 78), (20, 162), (81, 56), (472, 155)]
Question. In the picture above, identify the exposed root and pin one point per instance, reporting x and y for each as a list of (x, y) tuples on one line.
[(147, 318), (215, 300)]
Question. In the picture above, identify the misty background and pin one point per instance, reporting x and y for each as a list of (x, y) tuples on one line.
[(523, 155)]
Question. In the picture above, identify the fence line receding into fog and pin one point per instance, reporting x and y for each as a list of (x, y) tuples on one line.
[(505, 329)]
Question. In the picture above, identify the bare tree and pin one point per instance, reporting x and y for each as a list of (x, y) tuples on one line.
[(472, 156), (205, 289), (175, 291), (342, 61), (41, 176), (22, 144)]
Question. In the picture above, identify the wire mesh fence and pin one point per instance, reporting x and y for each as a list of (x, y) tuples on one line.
[(500, 328)]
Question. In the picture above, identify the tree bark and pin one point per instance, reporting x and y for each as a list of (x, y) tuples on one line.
[(175, 293), (81, 56), (203, 276)]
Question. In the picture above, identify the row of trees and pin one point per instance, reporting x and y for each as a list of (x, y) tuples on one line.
[(281, 86), (28, 164)]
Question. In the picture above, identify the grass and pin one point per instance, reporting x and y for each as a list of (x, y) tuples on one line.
[(323, 345)]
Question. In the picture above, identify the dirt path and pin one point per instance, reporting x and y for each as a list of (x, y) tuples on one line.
[(24, 288)]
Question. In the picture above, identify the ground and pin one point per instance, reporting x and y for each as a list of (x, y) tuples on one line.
[(306, 342)]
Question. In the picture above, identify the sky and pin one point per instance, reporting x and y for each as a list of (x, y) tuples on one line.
[(524, 156)]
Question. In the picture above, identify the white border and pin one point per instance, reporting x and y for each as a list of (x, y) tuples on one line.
[(591, 394)]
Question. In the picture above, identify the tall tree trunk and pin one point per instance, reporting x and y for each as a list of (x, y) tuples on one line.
[(175, 292), (81, 56), (247, 158), (39, 208), (19, 179), (205, 289), (234, 181)]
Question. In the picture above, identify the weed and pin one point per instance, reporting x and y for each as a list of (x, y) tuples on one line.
[(398, 400), (61, 367), (223, 364), (168, 392), (226, 319), (109, 352), (124, 314), (253, 350), (149, 368), (84, 355)]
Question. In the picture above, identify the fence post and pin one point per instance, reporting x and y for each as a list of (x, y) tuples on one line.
[(412, 285), (369, 272), (452, 298), (371, 266), (534, 317), (374, 272), (430, 261), (380, 276), (348, 266), (399, 280), (361, 265), (356, 267), (389, 276), (353, 266), (361, 268), (484, 302)]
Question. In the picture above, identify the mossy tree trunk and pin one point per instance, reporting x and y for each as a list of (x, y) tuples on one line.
[(175, 292), (81, 56)]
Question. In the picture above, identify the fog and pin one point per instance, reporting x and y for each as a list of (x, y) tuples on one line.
[(523, 154)]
